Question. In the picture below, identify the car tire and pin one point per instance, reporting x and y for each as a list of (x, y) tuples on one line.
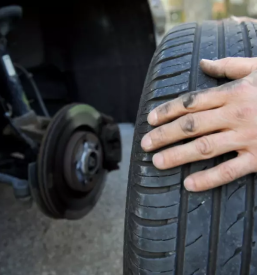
[(167, 229)]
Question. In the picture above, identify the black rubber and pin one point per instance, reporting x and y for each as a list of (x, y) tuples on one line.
[(167, 229)]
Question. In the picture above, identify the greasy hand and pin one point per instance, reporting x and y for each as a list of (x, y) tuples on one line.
[(224, 119), (243, 19)]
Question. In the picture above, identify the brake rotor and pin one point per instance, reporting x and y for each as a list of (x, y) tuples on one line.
[(70, 163)]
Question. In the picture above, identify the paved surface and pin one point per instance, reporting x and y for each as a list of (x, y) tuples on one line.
[(31, 244)]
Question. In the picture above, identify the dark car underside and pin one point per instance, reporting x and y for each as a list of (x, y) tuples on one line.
[(95, 54)]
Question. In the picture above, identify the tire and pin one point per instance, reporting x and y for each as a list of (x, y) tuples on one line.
[(167, 229)]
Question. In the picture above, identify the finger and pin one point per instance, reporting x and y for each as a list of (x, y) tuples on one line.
[(237, 19), (199, 101), (188, 126), (202, 148), (243, 19), (230, 67), (188, 103), (221, 174)]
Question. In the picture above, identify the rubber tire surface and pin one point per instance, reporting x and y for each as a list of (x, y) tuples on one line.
[(167, 229)]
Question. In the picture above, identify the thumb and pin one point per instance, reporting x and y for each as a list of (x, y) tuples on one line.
[(243, 19), (230, 67)]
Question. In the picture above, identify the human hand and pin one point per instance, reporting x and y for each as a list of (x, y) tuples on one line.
[(225, 117), (243, 19)]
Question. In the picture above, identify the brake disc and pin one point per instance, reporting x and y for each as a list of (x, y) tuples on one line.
[(73, 161)]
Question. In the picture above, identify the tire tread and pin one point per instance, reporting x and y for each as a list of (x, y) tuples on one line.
[(166, 225)]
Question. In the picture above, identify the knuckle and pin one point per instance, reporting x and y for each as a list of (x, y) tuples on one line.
[(253, 76), (241, 87), (189, 100), (204, 183), (227, 63), (245, 112), (158, 136), (188, 124), (227, 173), (165, 108), (203, 146), (240, 114), (236, 88), (244, 85), (253, 70), (207, 184)]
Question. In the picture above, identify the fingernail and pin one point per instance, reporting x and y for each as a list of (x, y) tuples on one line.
[(207, 61), (206, 64), (152, 118), (234, 18), (189, 184), (146, 142), (158, 160)]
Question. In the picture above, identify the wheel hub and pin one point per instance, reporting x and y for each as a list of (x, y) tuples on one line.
[(78, 148), (70, 164), (82, 161), (89, 161)]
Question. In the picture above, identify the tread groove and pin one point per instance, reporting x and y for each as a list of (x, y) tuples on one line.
[(195, 271), (164, 97), (181, 233), (184, 35), (172, 32), (249, 195), (168, 65), (145, 222), (248, 227), (149, 255), (154, 207), (151, 190), (171, 58), (153, 240), (246, 40), (172, 46), (214, 232), (143, 269), (239, 217), (237, 251), (216, 193), (235, 191), (161, 77), (159, 176), (198, 238), (199, 205)]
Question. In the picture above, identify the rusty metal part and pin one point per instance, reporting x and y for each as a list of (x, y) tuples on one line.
[(30, 124), (37, 130)]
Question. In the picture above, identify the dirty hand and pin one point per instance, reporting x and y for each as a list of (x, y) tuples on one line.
[(225, 117), (243, 19)]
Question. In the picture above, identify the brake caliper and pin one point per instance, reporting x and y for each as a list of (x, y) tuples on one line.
[(111, 141)]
